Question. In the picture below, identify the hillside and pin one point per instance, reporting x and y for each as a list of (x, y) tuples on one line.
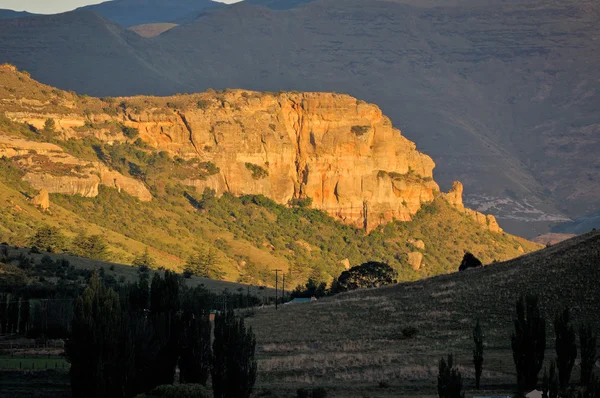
[(309, 183), (152, 29), (456, 75), (357, 336)]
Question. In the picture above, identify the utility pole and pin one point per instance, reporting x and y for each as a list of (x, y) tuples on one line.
[(276, 283)]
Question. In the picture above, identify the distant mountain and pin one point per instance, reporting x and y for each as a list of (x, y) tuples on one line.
[(10, 14), (503, 96), (580, 225), (137, 12)]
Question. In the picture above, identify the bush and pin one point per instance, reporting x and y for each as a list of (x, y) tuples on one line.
[(129, 132), (367, 275), (257, 171), (360, 130), (409, 332), (49, 239), (469, 261)]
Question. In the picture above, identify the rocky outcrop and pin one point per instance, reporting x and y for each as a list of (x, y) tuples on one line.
[(454, 197), (48, 168), (415, 259), (42, 199), (342, 153)]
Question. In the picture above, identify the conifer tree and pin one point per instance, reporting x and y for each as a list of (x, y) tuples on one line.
[(233, 367), (449, 379), (587, 341), (196, 353), (478, 353), (566, 347), (528, 342)]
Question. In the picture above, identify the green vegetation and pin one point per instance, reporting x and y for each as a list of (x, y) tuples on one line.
[(478, 353), (528, 343), (233, 368), (566, 347), (449, 380), (258, 172), (360, 130), (365, 276)]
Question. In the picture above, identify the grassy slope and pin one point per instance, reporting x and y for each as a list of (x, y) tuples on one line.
[(356, 337)]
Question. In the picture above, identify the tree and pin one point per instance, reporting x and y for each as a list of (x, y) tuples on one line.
[(469, 261), (49, 239), (196, 353), (550, 383), (204, 264), (528, 342), (98, 350), (143, 261), (233, 365), (478, 353), (566, 347), (449, 379), (367, 275), (587, 342), (92, 246), (311, 289), (49, 126)]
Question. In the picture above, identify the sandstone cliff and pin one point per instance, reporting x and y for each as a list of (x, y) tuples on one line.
[(342, 153)]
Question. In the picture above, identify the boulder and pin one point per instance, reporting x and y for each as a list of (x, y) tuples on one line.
[(42, 199)]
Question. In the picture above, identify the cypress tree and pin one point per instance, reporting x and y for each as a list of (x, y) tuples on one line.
[(233, 367), (449, 379), (478, 353), (528, 342), (196, 353), (96, 349), (587, 341), (566, 348)]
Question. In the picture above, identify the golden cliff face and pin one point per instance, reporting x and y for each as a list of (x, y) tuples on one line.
[(342, 153)]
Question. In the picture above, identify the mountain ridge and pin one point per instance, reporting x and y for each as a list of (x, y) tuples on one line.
[(151, 169)]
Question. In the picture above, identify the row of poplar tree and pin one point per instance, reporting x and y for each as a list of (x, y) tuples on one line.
[(528, 343), (129, 342)]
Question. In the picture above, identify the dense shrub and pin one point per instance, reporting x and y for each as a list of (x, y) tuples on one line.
[(367, 275), (566, 347), (469, 261), (178, 391), (258, 172), (449, 379)]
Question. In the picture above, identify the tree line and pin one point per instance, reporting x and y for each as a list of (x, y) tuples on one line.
[(132, 341), (528, 343)]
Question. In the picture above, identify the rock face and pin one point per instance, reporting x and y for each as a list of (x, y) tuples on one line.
[(454, 197), (42, 199), (341, 153), (51, 170), (415, 259)]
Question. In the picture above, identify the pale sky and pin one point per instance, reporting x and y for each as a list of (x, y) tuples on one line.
[(55, 6)]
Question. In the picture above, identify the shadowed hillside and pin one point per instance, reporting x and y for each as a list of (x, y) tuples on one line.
[(358, 337), (458, 77)]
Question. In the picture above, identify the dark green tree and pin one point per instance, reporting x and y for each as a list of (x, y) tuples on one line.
[(233, 366), (528, 342), (99, 349), (49, 239), (144, 261), (49, 126), (449, 379), (587, 341), (566, 347), (93, 246), (367, 275), (550, 382), (196, 353), (469, 261), (478, 353)]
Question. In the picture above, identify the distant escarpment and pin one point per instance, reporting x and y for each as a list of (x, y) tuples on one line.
[(330, 151)]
